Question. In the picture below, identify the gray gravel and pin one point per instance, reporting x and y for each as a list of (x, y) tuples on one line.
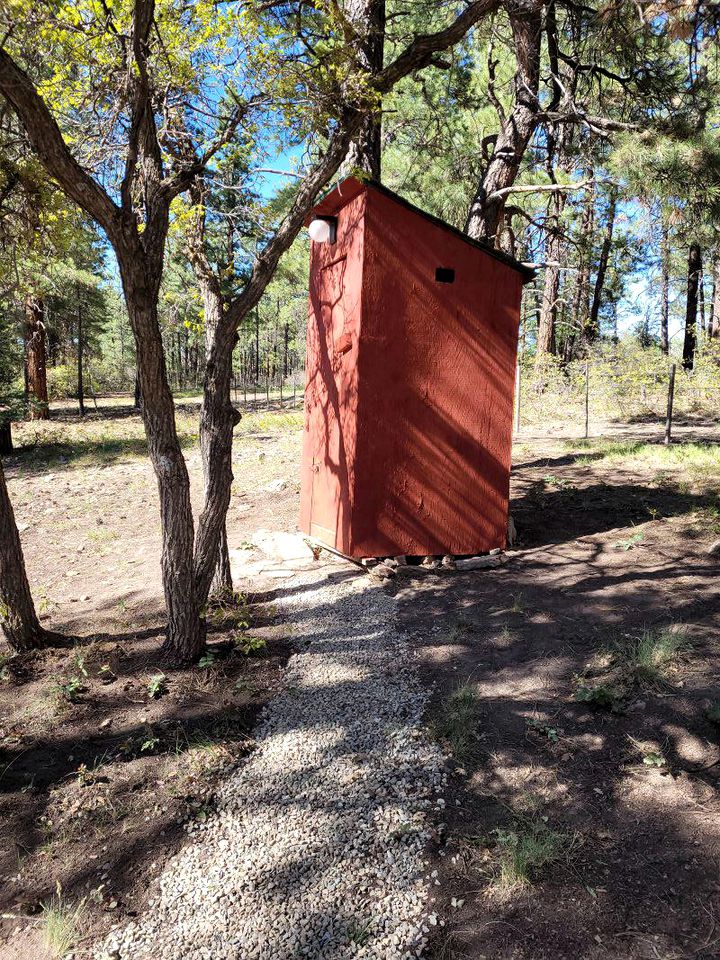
[(317, 848)]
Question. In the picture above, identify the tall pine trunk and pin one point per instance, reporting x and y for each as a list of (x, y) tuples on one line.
[(691, 305), (580, 309), (367, 18), (664, 288), (18, 620), (80, 384), (714, 320), (486, 210), (36, 358), (547, 322), (593, 324)]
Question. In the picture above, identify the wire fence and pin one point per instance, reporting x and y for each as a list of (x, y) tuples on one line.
[(620, 384)]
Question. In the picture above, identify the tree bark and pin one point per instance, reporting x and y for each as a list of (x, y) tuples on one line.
[(367, 21), (691, 305), (36, 358), (547, 335), (6, 444), (593, 324), (185, 637), (18, 620), (80, 385), (664, 288), (714, 323), (581, 307), (485, 213), (218, 418)]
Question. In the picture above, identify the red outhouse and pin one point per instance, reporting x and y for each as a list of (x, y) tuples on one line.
[(411, 351)]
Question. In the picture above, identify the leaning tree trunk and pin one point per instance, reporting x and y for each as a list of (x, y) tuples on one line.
[(593, 325), (367, 19), (485, 213), (185, 637), (664, 289), (36, 358), (691, 307), (18, 620)]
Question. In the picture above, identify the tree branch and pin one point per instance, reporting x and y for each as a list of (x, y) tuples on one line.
[(47, 141), (422, 49)]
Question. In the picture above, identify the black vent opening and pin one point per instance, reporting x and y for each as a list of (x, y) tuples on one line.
[(444, 275)]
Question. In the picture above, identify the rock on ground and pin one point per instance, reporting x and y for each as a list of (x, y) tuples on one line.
[(316, 848)]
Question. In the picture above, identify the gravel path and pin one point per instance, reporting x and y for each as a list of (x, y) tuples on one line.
[(317, 846)]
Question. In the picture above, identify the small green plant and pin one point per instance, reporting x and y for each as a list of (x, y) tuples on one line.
[(601, 695), (248, 644), (517, 605), (654, 759), (458, 723), (543, 728), (79, 661), (157, 686), (61, 924), (149, 742), (629, 543), (106, 674), (71, 689), (359, 932), (207, 660), (524, 851), (229, 611)]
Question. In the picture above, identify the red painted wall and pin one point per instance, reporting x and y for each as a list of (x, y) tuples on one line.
[(408, 432), (331, 380)]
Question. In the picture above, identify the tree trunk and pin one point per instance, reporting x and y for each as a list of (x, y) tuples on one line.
[(701, 301), (664, 288), (185, 638), (714, 324), (547, 334), (485, 213), (218, 418), (367, 18), (6, 444), (693, 277), (137, 400), (80, 386), (593, 324), (18, 620), (580, 310), (36, 358)]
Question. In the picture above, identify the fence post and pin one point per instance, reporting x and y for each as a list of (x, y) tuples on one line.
[(518, 385), (671, 395), (587, 398)]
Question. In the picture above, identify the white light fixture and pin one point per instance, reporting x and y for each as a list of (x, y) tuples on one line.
[(323, 229)]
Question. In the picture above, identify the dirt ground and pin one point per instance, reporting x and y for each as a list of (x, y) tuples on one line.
[(610, 546), (613, 541), (95, 783)]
